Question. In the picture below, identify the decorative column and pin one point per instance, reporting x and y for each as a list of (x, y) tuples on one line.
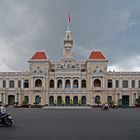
[(79, 83), (71, 83), (113, 82), (0, 97), (16, 98), (136, 96), (63, 84), (129, 83), (55, 84), (116, 100), (7, 83), (120, 83), (19, 98), (120, 96), (22, 82), (91, 84), (4, 98)]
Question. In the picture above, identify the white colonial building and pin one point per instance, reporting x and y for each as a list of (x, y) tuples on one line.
[(69, 82)]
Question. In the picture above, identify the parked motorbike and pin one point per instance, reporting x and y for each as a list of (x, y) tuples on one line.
[(6, 120)]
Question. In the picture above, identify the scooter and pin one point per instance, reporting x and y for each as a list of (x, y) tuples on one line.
[(6, 120), (105, 108)]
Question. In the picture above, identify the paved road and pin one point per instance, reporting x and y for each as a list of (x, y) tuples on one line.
[(80, 124)]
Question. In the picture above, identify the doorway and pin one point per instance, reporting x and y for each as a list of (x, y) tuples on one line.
[(11, 99), (125, 101)]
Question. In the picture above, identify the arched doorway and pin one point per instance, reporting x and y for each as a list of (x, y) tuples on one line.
[(67, 101), (11, 99), (51, 100), (59, 100), (97, 100), (75, 101), (37, 99), (83, 100)]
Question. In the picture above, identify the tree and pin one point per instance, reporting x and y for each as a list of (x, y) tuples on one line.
[(120, 102), (137, 102)]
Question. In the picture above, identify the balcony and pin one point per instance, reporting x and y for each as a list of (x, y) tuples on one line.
[(68, 90), (38, 88), (98, 88)]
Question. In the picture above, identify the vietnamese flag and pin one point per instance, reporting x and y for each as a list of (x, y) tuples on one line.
[(69, 18)]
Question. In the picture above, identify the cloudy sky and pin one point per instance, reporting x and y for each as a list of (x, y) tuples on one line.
[(112, 26)]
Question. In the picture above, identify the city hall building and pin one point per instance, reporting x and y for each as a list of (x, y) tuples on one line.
[(68, 82)]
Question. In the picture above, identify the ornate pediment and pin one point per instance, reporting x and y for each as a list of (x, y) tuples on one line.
[(67, 67), (97, 70), (37, 72)]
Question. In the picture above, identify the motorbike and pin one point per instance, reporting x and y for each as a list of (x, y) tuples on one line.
[(105, 108), (6, 120)]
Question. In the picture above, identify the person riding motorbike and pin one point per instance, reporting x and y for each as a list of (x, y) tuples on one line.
[(105, 107), (2, 110)]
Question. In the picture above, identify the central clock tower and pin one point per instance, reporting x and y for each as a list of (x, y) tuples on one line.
[(68, 45)]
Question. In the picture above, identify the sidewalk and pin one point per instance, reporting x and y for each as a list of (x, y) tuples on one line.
[(66, 107)]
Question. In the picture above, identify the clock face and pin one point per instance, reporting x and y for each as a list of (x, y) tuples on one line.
[(67, 51)]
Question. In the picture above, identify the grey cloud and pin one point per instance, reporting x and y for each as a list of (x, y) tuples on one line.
[(29, 26)]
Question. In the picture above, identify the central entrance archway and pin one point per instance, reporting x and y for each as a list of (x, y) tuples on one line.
[(11, 99), (125, 101), (75, 101)]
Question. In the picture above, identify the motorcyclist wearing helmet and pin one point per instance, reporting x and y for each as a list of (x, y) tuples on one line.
[(2, 110)]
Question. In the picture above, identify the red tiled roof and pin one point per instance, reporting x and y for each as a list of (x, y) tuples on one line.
[(39, 55), (97, 55)]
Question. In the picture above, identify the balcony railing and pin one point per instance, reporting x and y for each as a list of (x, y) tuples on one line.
[(68, 90), (98, 88), (38, 88)]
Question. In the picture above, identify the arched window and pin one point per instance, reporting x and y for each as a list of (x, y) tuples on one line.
[(51, 100), (75, 100), (59, 100), (26, 83), (51, 83), (75, 84), (67, 100), (109, 99), (38, 83), (83, 83), (83, 100), (97, 100), (109, 83), (59, 83), (37, 99), (67, 84), (97, 83)]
